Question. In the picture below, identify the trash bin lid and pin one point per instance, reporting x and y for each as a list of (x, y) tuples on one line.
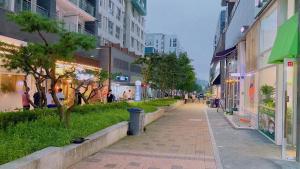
[(135, 110)]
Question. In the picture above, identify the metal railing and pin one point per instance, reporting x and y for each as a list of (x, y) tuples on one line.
[(25, 5), (84, 5)]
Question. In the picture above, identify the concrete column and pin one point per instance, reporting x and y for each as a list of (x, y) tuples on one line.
[(33, 5), (279, 104)]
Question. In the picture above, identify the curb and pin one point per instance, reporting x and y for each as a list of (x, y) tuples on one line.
[(214, 145)]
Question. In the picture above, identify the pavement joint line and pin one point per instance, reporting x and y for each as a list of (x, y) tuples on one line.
[(213, 142), (158, 155)]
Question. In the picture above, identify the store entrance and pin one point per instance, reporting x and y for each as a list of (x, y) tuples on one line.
[(290, 110)]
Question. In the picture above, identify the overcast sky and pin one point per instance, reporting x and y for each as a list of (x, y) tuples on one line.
[(194, 21)]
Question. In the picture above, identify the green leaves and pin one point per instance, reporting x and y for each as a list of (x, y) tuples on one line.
[(30, 22), (168, 71)]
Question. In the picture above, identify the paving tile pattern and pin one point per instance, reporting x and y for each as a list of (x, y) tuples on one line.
[(179, 140)]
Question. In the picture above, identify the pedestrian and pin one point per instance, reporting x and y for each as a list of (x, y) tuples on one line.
[(39, 98), (186, 97), (78, 97), (220, 105), (110, 97), (26, 102), (193, 97), (50, 101), (60, 96)]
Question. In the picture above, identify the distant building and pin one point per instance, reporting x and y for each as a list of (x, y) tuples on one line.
[(162, 44)]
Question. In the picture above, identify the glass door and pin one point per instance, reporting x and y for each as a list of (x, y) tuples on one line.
[(290, 112)]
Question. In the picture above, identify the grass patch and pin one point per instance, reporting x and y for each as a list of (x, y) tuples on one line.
[(27, 136)]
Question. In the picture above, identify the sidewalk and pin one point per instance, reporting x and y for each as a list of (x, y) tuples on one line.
[(245, 149), (179, 140)]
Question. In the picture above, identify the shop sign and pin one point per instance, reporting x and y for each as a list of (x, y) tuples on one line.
[(290, 64), (122, 78)]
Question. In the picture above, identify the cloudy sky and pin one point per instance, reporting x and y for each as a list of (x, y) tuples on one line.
[(194, 21)]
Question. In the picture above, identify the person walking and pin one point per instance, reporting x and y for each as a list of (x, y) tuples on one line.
[(186, 97), (50, 101), (193, 97), (110, 97), (26, 102)]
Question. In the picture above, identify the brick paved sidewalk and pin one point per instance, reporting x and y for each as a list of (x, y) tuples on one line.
[(179, 140)]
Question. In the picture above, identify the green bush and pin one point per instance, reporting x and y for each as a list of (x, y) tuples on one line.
[(177, 97), (13, 118), (30, 131)]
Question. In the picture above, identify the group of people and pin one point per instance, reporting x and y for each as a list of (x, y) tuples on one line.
[(126, 96), (40, 101)]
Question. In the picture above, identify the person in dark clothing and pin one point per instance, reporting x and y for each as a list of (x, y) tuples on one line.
[(37, 99), (79, 97), (110, 97)]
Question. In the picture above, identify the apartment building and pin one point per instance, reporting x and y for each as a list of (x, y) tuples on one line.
[(110, 15), (77, 15), (162, 44), (134, 25)]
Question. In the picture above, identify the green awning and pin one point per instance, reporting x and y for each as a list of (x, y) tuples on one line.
[(286, 43)]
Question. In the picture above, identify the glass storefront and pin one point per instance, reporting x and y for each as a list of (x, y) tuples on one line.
[(266, 107)]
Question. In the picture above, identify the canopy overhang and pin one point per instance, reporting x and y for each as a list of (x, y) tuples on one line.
[(286, 44)]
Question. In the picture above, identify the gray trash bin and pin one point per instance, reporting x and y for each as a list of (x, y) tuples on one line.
[(136, 123)]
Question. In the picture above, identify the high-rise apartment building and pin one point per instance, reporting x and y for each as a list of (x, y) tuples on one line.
[(134, 25), (162, 44), (110, 15)]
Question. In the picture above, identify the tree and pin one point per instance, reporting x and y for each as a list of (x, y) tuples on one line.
[(39, 59), (90, 86), (168, 72)]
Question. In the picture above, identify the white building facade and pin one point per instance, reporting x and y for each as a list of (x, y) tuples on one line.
[(111, 21), (162, 44), (134, 26)]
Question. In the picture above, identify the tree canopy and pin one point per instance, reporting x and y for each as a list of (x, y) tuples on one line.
[(168, 72)]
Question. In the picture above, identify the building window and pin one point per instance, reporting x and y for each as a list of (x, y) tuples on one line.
[(118, 32), (142, 34), (268, 30), (100, 21), (111, 7), (138, 30), (174, 42), (132, 42), (118, 16), (137, 45), (170, 42), (132, 26), (111, 27), (101, 2), (120, 64)]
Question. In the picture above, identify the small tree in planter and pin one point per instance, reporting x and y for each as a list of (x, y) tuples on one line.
[(39, 59), (267, 93)]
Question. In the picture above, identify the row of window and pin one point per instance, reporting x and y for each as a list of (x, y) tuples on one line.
[(137, 29), (124, 65), (113, 10), (137, 16), (108, 25), (136, 44)]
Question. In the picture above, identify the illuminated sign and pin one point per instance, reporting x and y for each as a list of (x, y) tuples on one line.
[(122, 78)]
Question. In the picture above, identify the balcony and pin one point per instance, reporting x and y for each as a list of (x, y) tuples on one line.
[(85, 5), (140, 6), (24, 5), (82, 8)]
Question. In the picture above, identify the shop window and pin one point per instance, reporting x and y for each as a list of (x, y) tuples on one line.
[(266, 108), (11, 83), (268, 30)]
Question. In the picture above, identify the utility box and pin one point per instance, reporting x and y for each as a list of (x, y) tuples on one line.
[(136, 123)]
